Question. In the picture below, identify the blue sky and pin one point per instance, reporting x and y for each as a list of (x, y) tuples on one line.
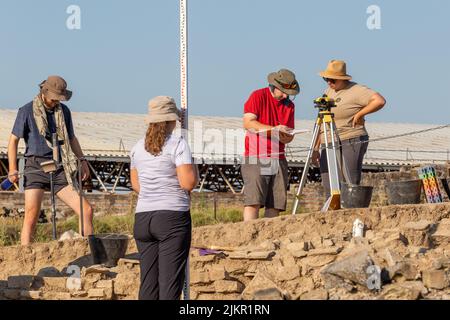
[(128, 52)]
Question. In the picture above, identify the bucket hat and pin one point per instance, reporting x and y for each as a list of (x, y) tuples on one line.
[(162, 109), (55, 88), (285, 81)]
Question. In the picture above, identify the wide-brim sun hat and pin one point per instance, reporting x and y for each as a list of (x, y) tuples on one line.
[(284, 80), (55, 88), (336, 70), (162, 109)]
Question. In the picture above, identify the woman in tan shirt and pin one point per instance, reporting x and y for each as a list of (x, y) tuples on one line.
[(353, 102)]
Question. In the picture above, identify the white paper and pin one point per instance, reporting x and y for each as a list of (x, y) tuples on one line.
[(298, 131)]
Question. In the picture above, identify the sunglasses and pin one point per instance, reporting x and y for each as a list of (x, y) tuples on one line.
[(329, 80), (287, 86)]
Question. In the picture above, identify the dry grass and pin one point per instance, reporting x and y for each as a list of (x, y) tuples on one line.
[(201, 216)]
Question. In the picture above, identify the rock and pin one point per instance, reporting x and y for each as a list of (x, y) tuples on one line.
[(49, 272), (267, 245), (218, 273), (396, 292), (262, 285), (70, 235), (404, 270), (204, 288), (435, 279), (127, 264), (296, 237), (253, 255), (370, 235), (319, 294), (288, 273), (440, 263), (199, 277), (359, 241), (418, 225), (94, 269), (442, 234), (89, 281), (20, 282), (105, 284), (79, 294), (54, 283), (285, 242), (127, 284), (33, 295), (304, 284), (260, 255), (393, 239), (238, 255), (297, 246), (318, 261), (352, 268), (416, 285), (228, 286), (96, 293), (268, 294), (12, 294), (326, 251), (3, 284), (417, 233), (414, 250), (52, 295), (109, 293), (391, 257), (328, 243), (299, 254), (203, 259)]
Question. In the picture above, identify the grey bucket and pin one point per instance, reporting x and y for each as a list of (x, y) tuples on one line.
[(404, 192), (108, 248), (354, 196)]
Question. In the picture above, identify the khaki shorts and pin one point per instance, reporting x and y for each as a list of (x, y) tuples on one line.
[(265, 184)]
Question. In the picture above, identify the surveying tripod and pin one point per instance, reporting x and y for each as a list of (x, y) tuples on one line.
[(325, 121)]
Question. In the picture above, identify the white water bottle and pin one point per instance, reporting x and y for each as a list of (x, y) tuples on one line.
[(358, 228)]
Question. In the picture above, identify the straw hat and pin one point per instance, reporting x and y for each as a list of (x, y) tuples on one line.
[(162, 109), (336, 69)]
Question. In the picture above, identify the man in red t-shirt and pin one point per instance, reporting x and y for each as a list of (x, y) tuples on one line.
[(268, 118)]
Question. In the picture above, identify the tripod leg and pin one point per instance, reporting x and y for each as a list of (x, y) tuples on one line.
[(306, 167), (80, 190), (341, 163), (334, 202), (52, 196), (186, 284)]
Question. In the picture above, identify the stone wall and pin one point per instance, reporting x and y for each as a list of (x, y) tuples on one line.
[(312, 198), (102, 203), (306, 257)]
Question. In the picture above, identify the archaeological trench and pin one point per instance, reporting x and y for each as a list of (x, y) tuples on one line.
[(404, 254)]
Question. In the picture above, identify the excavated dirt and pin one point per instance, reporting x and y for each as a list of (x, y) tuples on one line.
[(404, 254)]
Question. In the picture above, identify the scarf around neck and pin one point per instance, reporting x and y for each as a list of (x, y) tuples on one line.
[(68, 158)]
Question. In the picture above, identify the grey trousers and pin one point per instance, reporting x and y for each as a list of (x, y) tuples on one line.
[(353, 151), (163, 239)]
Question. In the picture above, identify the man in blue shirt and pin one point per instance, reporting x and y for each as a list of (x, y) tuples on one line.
[(36, 122)]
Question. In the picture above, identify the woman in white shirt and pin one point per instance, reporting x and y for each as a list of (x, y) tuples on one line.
[(163, 174)]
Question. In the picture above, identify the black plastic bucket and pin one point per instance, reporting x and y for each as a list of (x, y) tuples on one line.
[(446, 184), (354, 196), (404, 192), (108, 248)]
